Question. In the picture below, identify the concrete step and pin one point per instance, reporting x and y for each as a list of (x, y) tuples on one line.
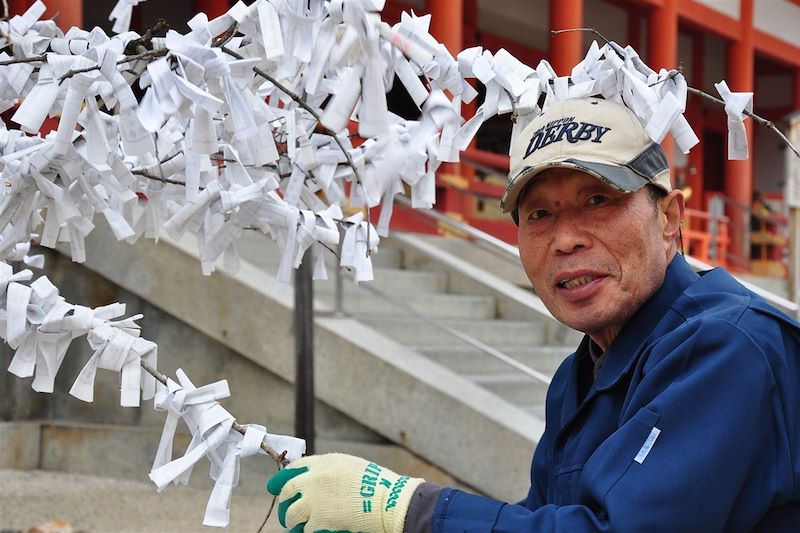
[(413, 331), (433, 304), (516, 388), (471, 360), (391, 281)]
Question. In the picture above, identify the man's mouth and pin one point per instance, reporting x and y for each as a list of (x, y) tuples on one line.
[(576, 282)]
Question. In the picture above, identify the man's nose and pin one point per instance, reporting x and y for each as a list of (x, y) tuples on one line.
[(569, 234)]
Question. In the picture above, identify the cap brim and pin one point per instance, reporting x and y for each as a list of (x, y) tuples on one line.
[(619, 177)]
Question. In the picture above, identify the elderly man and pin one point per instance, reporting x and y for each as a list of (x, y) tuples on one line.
[(680, 409)]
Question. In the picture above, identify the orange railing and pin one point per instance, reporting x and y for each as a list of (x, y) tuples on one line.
[(706, 236)]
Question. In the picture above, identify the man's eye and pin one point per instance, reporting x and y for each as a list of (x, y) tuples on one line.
[(538, 214), (597, 199)]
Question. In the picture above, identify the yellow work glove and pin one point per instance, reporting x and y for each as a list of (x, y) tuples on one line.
[(341, 493)]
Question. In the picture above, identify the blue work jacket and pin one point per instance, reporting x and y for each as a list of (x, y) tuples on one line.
[(692, 424)]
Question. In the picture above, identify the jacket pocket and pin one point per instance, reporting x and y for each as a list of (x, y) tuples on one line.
[(629, 445)]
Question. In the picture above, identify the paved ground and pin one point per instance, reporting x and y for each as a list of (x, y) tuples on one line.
[(97, 504)]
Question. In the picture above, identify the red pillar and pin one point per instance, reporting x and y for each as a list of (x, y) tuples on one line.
[(694, 112), (212, 8), (447, 26), (566, 49), (739, 174), (662, 44)]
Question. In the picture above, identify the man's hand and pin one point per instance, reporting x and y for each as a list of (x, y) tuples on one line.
[(337, 492)]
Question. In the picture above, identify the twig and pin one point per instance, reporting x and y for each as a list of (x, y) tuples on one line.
[(514, 113), (279, 458), (32, 59), (760, 120), (590, 30), (302, 103), (146, 40), (614, 46), (126, 59), (269, 513), (158, 178), (225, 38)]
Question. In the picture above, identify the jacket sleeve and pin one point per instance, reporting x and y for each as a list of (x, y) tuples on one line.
[(702, 447)]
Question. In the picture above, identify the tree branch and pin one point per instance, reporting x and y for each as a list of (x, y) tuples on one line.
[(760, 120), (279, 458), (158, 178), (590, 30), (225, 38), (146, 40), (269, 513), (32, 59), (144, 55)]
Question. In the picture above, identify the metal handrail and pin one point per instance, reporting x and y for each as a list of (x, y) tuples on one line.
[(472, 341), (473, 232)]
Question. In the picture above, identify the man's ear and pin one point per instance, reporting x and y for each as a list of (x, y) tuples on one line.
[(671, 208)]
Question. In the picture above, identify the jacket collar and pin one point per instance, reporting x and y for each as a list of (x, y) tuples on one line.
[(623, 351)]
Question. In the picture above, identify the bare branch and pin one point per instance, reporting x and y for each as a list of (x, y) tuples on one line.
[(590, 30), (144, 55), (146, 40), (158, 178), (760, 120), (269, 513), (225, 38), (302, 103), (279, 458), (32, 59)]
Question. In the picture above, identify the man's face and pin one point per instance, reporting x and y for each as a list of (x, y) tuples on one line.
[(593, 254)]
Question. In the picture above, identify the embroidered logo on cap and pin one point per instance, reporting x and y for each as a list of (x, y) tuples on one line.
[(565, 129)]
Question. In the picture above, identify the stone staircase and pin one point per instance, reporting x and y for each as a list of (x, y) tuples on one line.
[(410, 291), (389, 379)]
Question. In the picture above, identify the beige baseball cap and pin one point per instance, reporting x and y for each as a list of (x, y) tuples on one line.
[(599, 137)]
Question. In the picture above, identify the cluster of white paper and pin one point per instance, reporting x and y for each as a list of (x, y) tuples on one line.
[(212, 437), (40, 325), (211, 147)]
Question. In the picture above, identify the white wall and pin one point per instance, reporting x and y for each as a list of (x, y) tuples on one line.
[(779, 18), (728, 7)]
